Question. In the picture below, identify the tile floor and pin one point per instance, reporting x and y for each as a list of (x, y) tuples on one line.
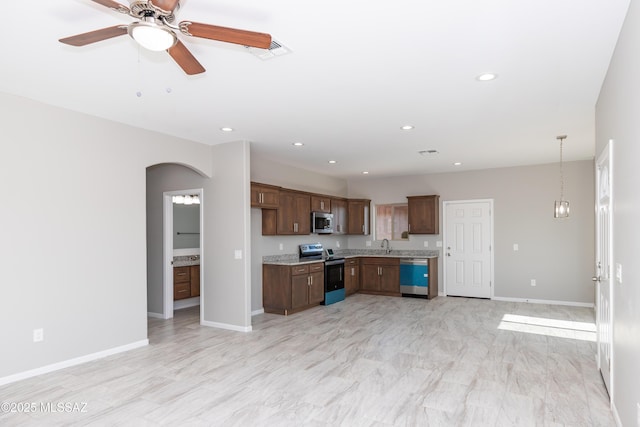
[(366, 361)]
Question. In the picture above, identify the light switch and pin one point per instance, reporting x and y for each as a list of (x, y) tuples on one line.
[(619, 272), (281, 247), (238, 254), (516, 247), (426, 243)]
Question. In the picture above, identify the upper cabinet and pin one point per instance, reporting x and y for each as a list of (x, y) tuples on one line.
[(320, 203), (264, 196), (339, 211), (358, 216), (294, 214), (424, 214)]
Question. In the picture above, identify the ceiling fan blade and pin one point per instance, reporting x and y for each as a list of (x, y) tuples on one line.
[(166, 5), (185, 59), (95, 36), (111, 4), (224, 34)]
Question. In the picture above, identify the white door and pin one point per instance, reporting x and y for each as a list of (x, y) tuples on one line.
[(468, 257), (603, 263)]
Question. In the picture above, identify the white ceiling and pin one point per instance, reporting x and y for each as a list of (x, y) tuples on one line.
[(357, 72)]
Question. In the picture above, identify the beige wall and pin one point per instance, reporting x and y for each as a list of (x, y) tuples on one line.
[(617, 113), (558, 253), (74, 257)]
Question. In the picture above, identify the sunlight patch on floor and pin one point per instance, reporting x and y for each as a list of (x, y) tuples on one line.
[(584, 331)]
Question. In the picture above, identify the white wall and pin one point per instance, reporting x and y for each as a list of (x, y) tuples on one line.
[(617, 113), (74, 259), (558, 253)]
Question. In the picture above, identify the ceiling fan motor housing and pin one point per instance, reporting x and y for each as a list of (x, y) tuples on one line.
[(141, 9)]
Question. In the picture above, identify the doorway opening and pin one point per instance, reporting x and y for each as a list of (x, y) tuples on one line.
[(180, 254)]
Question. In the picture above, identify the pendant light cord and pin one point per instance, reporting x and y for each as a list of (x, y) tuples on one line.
[(561, 138)]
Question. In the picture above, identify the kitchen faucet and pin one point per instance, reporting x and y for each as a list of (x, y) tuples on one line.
[(388, 250)]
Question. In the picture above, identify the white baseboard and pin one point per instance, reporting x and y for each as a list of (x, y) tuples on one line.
[(71, 362), (616, 416), (545, 301), (155, 315), (226, 326), (256, 312)]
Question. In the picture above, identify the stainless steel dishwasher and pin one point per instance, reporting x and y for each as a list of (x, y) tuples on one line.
[(414, 277)]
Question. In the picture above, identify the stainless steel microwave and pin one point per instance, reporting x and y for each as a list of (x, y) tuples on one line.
[(321, 222)]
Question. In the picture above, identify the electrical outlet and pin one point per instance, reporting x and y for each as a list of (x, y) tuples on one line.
[(237, 254), (426, 244), (368, 243), (337, 243), (38, 335), (516, 247), (281, 247), (439, 243), (533, 282)]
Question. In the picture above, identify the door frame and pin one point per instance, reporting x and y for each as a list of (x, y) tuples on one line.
[(167, 250), (491, 242), (606, 155)]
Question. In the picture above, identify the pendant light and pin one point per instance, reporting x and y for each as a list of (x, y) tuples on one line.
[(561, 207)]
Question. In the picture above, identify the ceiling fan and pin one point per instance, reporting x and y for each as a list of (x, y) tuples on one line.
[(156, 30)]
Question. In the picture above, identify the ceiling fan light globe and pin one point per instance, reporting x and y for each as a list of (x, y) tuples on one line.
[(152, 36)]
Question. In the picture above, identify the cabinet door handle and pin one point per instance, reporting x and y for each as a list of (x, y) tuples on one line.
[(181, 274), (409, 228), (353, 271)]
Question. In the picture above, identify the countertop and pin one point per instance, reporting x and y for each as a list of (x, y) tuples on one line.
[(293, 259), (186, 260)]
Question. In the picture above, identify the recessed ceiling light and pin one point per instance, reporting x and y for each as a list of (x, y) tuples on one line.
[(486, 77), (365, 172), (406, 127), (297, 144), (332, 162), (457, 164), (226, 129)]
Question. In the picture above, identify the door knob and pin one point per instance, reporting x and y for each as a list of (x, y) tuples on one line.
[(595, 278)]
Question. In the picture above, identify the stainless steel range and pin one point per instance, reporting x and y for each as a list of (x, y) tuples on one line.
[(333, 271)]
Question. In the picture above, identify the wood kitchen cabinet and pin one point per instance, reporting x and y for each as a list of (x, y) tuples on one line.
[(351, 275), (380, 276), (186, 282), (293, 214), (320, 203), (264, 196), (358, 216), (339, 211), (289, 289), (424, 214)]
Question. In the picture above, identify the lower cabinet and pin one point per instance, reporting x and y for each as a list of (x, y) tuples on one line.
[(351, 276), (287, 289), (380, 276), (186, 282)]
